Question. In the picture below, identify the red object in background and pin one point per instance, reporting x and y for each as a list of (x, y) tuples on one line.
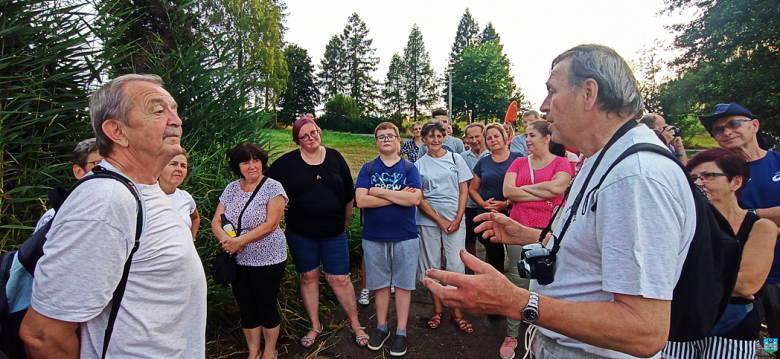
[(511, 113)]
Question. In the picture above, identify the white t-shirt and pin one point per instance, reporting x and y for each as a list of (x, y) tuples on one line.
[(184, 204), (635, 242), (440, 178), (163, 313)]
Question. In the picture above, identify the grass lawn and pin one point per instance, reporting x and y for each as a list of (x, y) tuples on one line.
[(356, 149)]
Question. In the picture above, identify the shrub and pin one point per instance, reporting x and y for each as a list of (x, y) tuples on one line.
[(344, 124)]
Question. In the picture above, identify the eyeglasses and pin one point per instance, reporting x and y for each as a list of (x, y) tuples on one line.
[(386, 138), (310, 135), (707, 176), (731, 125), (93, 163)]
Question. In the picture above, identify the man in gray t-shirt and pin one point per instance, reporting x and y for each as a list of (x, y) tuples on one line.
[(616, 271), (163, 312)]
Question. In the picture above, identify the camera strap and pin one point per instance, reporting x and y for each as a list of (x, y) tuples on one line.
[(577, 200)]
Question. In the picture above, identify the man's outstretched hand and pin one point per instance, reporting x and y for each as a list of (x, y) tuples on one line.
[(485, 292), (499, 228)]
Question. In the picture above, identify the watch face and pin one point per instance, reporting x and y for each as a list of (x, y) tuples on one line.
[(530, 314)]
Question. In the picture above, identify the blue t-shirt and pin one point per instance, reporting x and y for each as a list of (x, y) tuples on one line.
[(492, 176), (391, 223), (763, 191)]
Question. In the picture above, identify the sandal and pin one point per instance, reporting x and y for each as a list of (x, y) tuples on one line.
[(435, 320), (462, 324), (361, 340), (308, 341)]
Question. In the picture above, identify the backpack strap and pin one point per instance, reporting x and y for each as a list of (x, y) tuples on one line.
[(639, 147), (119, 292)]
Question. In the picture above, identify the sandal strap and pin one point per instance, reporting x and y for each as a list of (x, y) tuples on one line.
[(358, 328)]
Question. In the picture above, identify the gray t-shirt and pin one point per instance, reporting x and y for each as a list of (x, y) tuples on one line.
[(471, 160), (440, 178), (163, 312), (450, 143), (635, 242), (518, 145)]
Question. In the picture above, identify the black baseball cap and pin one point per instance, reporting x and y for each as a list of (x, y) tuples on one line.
[(724, 109)]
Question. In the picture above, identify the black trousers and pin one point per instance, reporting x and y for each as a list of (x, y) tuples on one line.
[(257, 291), (495, 251)]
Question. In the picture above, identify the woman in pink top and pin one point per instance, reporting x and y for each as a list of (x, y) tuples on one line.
[(534, 185)]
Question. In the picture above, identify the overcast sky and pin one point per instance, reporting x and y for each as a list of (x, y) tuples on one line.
[(532, 32)]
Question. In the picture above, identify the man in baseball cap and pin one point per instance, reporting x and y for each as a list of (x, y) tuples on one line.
[(735, 128)]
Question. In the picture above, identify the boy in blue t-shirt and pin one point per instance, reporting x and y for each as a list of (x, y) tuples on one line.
[(388, 189)]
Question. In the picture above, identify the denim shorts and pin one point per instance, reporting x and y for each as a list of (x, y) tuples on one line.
[(308, 252)]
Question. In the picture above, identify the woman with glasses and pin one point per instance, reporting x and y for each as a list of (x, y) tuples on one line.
[(722, 176), (320, 187), (171, 177), (411, 147)]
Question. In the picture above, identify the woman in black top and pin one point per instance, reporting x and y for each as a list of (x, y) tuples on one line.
[(320, 187), (722, 176)]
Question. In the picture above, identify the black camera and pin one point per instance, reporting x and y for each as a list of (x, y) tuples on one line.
[(677, 131), (537, 262)]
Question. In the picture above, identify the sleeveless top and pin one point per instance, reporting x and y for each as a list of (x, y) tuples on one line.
[(749, 328)]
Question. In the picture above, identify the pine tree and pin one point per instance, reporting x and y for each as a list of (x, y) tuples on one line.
[(419, 78), (489, 34), (359, 63), (332, 75), (301, 95), (467, 34), (393, 94)]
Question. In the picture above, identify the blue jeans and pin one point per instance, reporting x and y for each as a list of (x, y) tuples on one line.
[(308, 252)]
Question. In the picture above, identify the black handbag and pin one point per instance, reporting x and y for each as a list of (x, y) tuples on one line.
[(224, 267)]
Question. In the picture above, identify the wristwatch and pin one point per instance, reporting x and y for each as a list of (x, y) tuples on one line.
[(531, 311)]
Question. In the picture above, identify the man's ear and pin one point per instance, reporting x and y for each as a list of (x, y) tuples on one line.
[(589, 92), (115, 130), (78, 172)]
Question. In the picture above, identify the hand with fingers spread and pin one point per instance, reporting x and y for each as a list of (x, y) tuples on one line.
[(486, 292), (501, 229)]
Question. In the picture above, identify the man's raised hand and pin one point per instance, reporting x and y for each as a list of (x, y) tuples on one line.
[(501, 229)]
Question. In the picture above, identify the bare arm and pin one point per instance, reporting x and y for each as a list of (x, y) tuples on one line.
[(463, 191), (772, 214), (756, 258), (273, 217), (195, 217), (408, 197), (45, 337), (517, 194), (348, 214), (216, 224), (365, 200), (474, 186), (550, 189), (630, 324)]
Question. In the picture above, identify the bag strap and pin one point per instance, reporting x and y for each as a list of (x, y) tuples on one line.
[(531, 169), (254, 193), (648, 147), (578, 200), (119, 292)]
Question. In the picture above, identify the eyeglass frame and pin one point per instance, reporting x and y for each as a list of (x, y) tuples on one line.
[(731, 125), (315, 133), (386, 138), (711, 175), (94, 163)]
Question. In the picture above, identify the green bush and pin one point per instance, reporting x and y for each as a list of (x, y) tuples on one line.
[(342, 106), (344, 124)]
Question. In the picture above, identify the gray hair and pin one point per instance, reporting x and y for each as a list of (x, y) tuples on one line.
[(532, 113), (475, 124), (649, 120), (109, 103), (618, 88), (81, 152)]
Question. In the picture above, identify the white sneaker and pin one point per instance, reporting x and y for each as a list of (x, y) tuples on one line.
[(392, 289), (363, 299)]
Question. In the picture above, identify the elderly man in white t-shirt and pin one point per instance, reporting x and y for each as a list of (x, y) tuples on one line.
[(163, 312), (616, 271)]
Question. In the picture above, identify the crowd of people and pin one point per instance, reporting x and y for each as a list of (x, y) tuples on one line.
[(425, 203)]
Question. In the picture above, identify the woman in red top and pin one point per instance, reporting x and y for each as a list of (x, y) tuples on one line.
[(534, 186)]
